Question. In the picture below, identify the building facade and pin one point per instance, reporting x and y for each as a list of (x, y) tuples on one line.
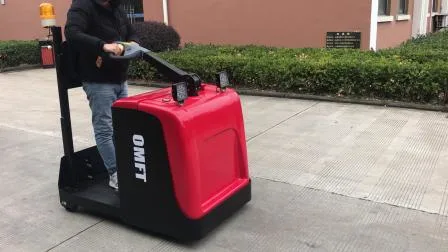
[(285, 23)]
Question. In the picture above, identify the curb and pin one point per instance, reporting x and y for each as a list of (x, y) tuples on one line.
[(252, 92), (20, 68), (384, 103)]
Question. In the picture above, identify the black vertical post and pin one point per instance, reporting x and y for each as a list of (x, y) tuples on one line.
[(67, 137)]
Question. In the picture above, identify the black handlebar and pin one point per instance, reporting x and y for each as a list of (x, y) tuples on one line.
[(131, 51), (135, 51)]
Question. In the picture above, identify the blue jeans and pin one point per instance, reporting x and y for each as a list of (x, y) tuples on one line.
[(101, 97)]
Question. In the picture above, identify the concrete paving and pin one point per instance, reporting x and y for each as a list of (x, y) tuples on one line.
[(326, 177)]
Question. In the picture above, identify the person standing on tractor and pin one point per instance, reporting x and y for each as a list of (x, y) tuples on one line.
[(93, 27)]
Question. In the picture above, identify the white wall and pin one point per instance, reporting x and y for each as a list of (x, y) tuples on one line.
[(374, 25), (419, 23)]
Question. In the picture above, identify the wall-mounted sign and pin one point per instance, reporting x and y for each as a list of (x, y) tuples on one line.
[(344, 40)]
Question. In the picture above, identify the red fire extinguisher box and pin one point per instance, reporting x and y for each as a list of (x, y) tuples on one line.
[(46, 54)]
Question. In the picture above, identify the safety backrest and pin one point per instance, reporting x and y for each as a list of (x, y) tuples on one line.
[(69, 66)]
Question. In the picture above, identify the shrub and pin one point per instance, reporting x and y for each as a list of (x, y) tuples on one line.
[(15, 53), (423, 49), (313, 71), (435, 40), (417, 71), (157, 36)]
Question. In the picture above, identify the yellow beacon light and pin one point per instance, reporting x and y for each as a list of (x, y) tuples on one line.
[(47, 15)]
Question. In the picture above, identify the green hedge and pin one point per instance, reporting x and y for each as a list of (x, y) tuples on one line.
[(416, 71), (423, 49), (15, 53), (313, 71)]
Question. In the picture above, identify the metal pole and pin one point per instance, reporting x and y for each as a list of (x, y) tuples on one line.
[(67, 137)]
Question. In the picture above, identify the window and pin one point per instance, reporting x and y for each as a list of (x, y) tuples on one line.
[(134, 9), (435, 5), (384, 7), (403, 7)]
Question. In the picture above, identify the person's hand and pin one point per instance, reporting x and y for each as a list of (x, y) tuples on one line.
[(99, 62), (114, 48)]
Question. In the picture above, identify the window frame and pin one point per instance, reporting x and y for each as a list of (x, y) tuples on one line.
[(135, 10), (435, 5), (387, 10), (403, 10)]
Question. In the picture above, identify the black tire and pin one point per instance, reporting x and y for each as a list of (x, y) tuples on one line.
[(69, 206)]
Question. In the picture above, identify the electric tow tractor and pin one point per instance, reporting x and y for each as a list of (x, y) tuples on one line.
[(181, 152)]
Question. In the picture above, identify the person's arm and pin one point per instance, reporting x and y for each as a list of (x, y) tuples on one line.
[(77, 25)]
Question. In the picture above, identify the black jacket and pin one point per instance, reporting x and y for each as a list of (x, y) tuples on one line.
[(89, 26)]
